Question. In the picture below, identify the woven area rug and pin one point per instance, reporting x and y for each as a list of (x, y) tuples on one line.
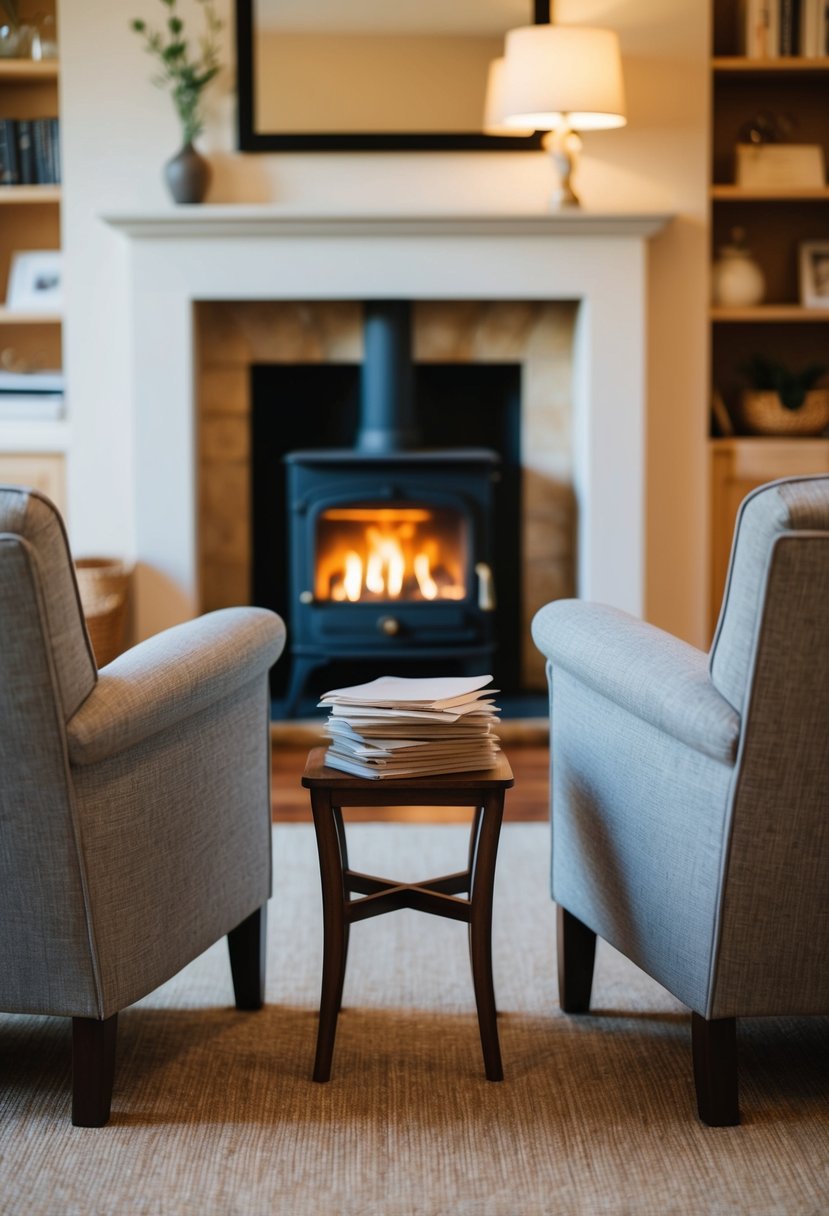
[(214, 1111)]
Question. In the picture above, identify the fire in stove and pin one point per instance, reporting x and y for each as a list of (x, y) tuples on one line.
[(367, 553)]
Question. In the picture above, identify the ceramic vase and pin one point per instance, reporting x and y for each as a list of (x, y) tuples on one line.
[(187, 175), (737, 280)]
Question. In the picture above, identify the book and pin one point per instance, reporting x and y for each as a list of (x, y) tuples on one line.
[(50, 381), (40, 407), (789, 29), (758, 31), (811, 14), (9, 166), (26, 152), (399, 727)]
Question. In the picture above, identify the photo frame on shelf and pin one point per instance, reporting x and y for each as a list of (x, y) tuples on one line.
[(35, 281), (814, 274)]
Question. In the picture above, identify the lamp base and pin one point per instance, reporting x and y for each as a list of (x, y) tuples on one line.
[(564, 147)]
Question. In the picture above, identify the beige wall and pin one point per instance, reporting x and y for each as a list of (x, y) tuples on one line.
[(118, 130)]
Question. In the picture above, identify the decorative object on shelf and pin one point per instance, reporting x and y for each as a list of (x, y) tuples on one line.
[(188, 173), (719, 412), (736, 279), (10, 30), (35, 281), (562, 79), (814, 274), (780, 166), (783, 402)]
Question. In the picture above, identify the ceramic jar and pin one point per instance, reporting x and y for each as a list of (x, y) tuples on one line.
[(736, 280)]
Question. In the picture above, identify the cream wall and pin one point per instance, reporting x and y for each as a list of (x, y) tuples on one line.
[(118, 130)]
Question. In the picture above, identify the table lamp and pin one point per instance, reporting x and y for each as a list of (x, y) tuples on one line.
[(562, 79)]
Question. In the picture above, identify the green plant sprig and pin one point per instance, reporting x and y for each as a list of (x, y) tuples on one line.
[(184, 73), (766, 375)]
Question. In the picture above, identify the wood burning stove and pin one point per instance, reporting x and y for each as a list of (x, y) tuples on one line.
[(390, 544)]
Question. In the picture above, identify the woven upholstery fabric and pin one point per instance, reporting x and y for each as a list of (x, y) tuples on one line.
[(171, 676), (705, 867), (45, 959), (136, 833), (643, 669), (638, 827), (30, 515), (175, 834), (774, 937), (793, 505)]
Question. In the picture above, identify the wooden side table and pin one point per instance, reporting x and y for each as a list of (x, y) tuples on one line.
[(330, 791)]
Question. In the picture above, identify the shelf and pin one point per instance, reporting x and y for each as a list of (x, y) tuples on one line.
[(28, 71), (764, 313), (738, 194), (16, 316), (15, 195), (783, 66)]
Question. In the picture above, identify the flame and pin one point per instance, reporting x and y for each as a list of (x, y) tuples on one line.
[(385, 553)]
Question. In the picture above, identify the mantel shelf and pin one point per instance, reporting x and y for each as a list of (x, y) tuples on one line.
[(252, 220)]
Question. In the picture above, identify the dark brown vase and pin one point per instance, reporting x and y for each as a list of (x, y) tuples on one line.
[(187, 175)]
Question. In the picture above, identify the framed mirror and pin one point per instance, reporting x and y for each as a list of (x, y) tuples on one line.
[(359, 75)]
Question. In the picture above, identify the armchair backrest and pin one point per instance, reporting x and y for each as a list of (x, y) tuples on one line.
[(29, 517), (780, 507), (771, 957), (46, 671)]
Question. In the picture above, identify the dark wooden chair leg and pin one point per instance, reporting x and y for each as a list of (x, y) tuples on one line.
[(714, 1047), (576, 956), (247, 946), (93, 1069)]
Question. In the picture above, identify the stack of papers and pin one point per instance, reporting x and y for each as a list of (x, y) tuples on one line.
[(395, 727)]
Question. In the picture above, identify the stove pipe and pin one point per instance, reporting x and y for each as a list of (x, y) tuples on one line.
[(387, 421)]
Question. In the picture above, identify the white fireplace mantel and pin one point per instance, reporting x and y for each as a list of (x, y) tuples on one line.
[(226, 252)]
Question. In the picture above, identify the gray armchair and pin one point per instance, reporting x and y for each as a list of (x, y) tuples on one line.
[(690, 792), (134, 801)]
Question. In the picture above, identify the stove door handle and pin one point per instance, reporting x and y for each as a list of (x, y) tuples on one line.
[(486, 587)]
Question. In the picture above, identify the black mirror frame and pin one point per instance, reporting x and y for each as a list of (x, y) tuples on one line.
[(251, 140)]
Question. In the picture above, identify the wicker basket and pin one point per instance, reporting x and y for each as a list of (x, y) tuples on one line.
[(761, 413), (103, 583)]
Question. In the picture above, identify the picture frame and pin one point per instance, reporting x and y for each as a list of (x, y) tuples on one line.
[(814, 274), (35, 281)]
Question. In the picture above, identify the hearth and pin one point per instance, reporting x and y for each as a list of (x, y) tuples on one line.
[(390, 543)]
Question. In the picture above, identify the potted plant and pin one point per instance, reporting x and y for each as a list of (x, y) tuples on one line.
[(781, 401), (187, 73)]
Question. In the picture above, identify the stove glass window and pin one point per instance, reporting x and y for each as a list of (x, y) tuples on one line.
[(371, 552)]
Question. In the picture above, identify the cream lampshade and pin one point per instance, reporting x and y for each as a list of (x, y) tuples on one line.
[(494, 123), (563, 79)]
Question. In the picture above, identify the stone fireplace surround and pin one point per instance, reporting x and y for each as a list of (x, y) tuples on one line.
[(185, 258)]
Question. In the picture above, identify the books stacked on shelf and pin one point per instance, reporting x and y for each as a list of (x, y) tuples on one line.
[(31, 396), (396, 727), (29, 151), (771, 29)]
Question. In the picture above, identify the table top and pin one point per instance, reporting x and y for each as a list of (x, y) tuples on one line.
[(317, 774)]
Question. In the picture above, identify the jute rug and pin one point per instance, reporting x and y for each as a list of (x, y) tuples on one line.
[(215, 1112)]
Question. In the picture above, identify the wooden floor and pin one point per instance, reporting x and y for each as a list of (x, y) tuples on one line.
[(527, 801)]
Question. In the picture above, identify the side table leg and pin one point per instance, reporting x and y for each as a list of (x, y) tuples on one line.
[(480, 931), (335, 930)]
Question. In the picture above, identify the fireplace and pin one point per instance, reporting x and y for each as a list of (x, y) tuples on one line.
[(194, 276)]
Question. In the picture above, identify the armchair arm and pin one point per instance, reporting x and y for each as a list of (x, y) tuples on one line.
[(646, 671), (171, 676)]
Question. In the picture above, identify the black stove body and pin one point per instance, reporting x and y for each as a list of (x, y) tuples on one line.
[(390, 544)]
